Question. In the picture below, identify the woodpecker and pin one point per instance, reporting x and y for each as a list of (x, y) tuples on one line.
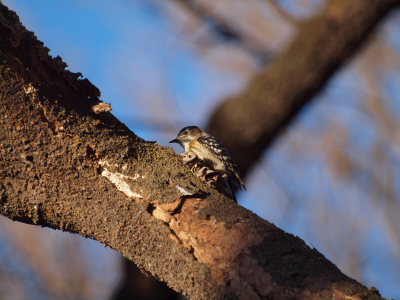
[(210, 151)]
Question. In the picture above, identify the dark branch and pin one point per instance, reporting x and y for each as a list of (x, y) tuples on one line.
[(248, 123)]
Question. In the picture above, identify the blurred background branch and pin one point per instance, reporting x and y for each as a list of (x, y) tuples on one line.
[(249, 122), (224, 27)]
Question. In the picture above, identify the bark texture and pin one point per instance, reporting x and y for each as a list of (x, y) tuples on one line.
[(249, 122), (65, 167)]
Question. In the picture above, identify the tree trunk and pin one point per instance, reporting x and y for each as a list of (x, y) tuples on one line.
[(64, 166)]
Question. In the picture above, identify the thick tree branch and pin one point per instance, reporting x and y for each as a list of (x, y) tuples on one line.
[(249, 122), (65, 167)]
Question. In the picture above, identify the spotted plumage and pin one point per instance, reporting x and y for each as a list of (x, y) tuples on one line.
[(210, 151)]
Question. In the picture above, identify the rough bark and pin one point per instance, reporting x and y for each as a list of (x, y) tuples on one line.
[(250, 121), (65, 167)]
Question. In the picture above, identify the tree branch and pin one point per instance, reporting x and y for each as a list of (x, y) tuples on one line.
[(65, 167), (248, 123), (282, 12), (226, 29)]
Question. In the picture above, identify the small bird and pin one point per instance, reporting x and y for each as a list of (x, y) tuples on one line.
[(210, 151)]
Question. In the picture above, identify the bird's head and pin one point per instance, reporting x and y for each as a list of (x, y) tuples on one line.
[(187, 134)]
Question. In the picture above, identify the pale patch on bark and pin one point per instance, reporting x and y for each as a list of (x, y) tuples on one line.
[(183, 190), (119, 180)]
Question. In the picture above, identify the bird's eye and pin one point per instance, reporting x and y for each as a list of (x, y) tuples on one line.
[(186, 132)]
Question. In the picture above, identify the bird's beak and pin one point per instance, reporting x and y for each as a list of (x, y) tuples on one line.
[(174, 141)]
